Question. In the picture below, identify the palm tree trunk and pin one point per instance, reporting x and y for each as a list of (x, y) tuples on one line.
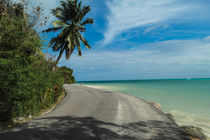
[(56, 62), (59, 57)]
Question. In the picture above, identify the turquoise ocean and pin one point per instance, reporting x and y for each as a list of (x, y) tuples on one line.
[(188, 100)]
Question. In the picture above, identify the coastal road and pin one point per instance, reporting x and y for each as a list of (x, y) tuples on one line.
[(94, 114)]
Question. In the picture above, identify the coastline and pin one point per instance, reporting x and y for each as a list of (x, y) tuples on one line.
[(170, 115), (103, 113)]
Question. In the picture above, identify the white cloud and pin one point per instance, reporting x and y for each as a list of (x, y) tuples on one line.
[(156, 27), (147, 30), (168, 59), (207, 38), (127, 14)]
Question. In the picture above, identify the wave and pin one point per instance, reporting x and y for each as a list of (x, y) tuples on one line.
[(184, 118)]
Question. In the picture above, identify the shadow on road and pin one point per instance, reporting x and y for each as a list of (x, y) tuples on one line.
[(74, 128)]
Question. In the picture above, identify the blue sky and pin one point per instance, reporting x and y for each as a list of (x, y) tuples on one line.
[(143, 39)]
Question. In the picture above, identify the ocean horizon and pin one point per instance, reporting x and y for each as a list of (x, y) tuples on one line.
[(89, 81), (186, 99)]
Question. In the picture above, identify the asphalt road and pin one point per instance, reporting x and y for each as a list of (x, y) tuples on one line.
[(95, 114)]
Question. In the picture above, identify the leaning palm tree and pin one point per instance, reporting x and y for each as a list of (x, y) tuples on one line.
[(71, 24)]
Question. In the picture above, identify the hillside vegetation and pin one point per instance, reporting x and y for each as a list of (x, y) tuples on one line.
[(27, 82)]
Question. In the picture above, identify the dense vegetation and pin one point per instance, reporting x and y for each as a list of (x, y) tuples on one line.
[(27, 83)]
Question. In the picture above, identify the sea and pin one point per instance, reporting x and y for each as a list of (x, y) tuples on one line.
[(188, 100)]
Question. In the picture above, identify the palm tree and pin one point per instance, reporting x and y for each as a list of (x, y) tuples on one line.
[(71, 24)]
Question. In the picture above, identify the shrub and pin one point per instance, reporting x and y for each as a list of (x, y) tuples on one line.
[(27, 83), (67, 75)]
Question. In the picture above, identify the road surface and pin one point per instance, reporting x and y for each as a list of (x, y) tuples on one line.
[(94, 114)]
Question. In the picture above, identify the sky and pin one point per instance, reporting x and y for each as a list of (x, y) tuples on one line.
[(142, 39)]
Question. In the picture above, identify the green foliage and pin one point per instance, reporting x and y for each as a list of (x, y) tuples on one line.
[(67, 75), (27, 83)]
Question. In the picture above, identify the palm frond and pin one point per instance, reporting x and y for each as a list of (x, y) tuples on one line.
[(52, 41), (84, 41), (78, 45), (87, 21), (55, 29), (55, 47), (80, 5), (75, 1), (57, 12), (69, 10), (80, 28), (84, 11), (68, 39), (68, 51), (58, 23)]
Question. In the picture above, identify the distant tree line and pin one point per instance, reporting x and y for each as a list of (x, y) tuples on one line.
[(27, 83)]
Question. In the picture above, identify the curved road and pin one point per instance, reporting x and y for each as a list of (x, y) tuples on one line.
[(94, 114)]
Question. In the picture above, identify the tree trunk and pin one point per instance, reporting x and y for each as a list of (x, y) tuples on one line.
[(56, 62)]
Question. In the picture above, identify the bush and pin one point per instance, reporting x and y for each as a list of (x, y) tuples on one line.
[(27, 83), (67, 75)]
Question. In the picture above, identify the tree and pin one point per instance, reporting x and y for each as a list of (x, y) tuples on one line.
[(71, 24), (27, 82), (67, 74)]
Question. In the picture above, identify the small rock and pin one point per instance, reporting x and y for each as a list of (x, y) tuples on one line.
[(170, 116), (157, 105), (15, 119), (194, 138), (30, 117), (194, 132), (21, 118)]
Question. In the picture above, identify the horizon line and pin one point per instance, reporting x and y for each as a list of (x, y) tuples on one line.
[(143, 80)]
